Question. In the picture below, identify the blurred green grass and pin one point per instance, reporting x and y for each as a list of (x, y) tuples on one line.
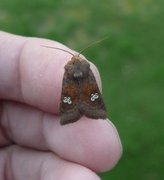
[(130, 62)]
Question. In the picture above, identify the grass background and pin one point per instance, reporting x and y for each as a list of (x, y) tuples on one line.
[(130, 62)]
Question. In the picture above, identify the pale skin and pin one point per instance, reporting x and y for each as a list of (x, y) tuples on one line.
[(33, 144)]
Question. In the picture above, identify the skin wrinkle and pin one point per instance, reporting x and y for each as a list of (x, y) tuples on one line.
[(8, 60), (6, 124), (8, 166), (11, 164), (43, 117), (42, 132), (5, 136), (5, 171), (41, 167), (19, 70), (3, 165), (1, 126), (44, 126)]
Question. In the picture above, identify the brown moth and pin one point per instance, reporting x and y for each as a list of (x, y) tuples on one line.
[(80, 93)]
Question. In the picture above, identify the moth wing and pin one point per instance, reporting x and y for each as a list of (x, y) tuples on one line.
[(92, 102), (69, 99)]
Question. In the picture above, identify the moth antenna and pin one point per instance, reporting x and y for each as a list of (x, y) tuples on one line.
[(58, 49), (92, 44)]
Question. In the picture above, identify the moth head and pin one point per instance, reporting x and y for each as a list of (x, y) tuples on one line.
[(77, 68)]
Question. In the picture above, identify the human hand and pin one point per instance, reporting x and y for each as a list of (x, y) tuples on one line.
[(33, 144)]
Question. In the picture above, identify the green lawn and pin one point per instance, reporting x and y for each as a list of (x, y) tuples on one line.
[(130, 62)]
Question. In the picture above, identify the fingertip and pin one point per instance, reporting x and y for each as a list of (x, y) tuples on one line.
[(33, 72), (94, 144), (103, 145)]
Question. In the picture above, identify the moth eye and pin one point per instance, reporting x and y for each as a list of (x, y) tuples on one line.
[(94, 96), (67, 100)]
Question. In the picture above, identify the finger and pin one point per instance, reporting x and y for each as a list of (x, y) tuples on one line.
[(20, 163), (31, 73), (92, 143)]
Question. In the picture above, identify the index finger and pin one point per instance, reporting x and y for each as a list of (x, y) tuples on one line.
[(33, 74)]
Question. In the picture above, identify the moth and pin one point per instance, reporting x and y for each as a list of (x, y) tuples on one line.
[(80, 93)]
